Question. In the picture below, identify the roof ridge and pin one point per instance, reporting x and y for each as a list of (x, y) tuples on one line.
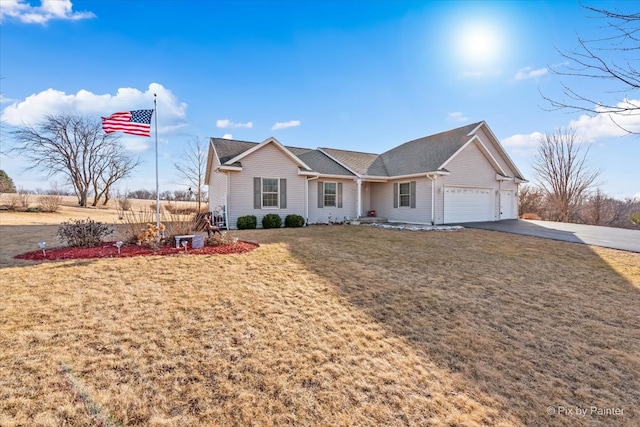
[(348, 151)]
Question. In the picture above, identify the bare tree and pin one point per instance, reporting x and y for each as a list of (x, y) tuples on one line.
[(77, 148), (611, 59), (530, 200), (598, 209), (563, 172), (113, 167), (192, 166)]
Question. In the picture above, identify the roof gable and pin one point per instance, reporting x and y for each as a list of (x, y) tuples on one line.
[(230, 153), (276, 143)]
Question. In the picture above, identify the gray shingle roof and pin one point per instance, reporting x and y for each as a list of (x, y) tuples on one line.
[(361, 163), (426, 154), (227, 149), (319, 161), (421, 155)]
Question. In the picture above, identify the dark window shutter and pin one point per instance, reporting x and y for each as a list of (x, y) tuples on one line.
[(283, 193), (395, 195), (413, 194), (339, 195), (320, 194), (257, 193)]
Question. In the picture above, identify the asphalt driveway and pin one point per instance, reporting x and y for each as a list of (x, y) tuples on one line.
[(608, 237)]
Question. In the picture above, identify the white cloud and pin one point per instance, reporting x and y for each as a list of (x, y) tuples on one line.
[(47, 11), (523, 140), (608, 124), (34, 108), (589, 128), (227, 136), (227, 124), (284, 125), (457, 117), (529, 73)]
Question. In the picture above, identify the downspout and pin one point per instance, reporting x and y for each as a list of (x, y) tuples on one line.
[(226, 209), (306, 199), (433, 198), (499, 200), (359, 194)]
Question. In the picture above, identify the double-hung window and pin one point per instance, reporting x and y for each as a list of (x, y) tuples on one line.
[(404, 194), (270, 193), (329, 194)]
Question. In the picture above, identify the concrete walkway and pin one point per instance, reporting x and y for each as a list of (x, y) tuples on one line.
[(608, 237)]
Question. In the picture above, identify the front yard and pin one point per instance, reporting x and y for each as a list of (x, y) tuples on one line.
[(325, 325)]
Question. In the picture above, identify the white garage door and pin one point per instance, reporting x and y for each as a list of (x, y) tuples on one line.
[(463, 204)]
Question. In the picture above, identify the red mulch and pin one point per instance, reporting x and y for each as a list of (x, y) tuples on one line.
[(109, 250)]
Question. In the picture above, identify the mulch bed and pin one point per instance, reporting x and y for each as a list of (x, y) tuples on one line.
[(109, 250)]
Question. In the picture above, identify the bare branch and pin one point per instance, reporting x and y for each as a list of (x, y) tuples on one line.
[(77, 148), (611, 59)]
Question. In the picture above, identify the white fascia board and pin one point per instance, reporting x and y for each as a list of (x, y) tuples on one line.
[(211, 154), (419, 175), (270, 140), (331, 176), (230, 168), (307, 173), (500, 148)]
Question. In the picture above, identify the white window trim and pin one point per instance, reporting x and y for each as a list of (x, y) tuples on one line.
[(324, 194), (400, 206), (262, 193)]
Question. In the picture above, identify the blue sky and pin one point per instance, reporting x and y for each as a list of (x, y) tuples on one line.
[(357, 75)]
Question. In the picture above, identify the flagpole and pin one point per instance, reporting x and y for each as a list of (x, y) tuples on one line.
[(155, 107)]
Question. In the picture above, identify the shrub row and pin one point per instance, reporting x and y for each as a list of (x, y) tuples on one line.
[(271, 220)]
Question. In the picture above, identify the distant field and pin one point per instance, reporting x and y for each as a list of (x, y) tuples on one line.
[(324, 325)]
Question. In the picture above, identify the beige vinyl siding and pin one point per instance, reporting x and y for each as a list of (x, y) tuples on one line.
[(469, 168), (217, 187), (349, 200), (267, 162), (217, 190), (382, 198), (494, 152)]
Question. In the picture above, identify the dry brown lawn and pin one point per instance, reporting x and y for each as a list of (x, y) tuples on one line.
[(325, 325)]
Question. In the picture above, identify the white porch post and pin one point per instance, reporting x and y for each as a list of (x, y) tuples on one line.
[(359, 196)]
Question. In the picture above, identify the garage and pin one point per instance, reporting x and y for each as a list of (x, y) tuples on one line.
[(467, 204)]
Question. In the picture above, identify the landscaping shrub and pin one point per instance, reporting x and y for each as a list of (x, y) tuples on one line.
[(220, 239), (83, 233), (124, 204), (271, 221), (247, 222), (50, 203), (293, 220)]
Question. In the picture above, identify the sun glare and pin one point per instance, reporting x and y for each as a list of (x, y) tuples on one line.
[(479, 44)]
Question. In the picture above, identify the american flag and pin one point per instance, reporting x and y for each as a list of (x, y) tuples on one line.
[(136, 122)]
